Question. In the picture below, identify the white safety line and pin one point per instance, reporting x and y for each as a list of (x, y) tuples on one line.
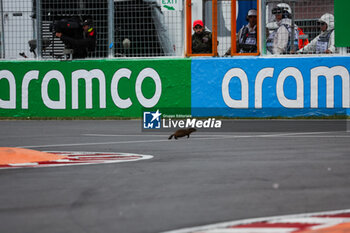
[(331, 221), (92, 143), (22, 164), (207, 228), (252, 230), (222, 135), (166, 140), (147, 135), (126, 135), (80, 158), (319, 136)]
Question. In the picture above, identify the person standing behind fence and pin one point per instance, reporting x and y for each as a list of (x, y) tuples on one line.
[(81, 46), (201, 39), (323, 43), (247, 37), (303, 39), (279, 41)]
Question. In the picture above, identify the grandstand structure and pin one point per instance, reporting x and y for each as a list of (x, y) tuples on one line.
[(151, 28)]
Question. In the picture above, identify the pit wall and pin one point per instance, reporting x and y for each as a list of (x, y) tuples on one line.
[(227, 87)]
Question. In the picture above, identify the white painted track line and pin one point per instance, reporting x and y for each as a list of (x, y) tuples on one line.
[(282, 218), (331, 221), (196, 137), (251, 230)]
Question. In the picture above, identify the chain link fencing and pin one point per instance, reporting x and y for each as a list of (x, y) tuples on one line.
[(142, 28)]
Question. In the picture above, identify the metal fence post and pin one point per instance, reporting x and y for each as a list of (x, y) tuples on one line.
[(262, 28), (38, 28), (2, 31), (292, 34), (110, 28)]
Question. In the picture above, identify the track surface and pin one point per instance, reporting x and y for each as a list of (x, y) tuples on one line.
[(206, 179)]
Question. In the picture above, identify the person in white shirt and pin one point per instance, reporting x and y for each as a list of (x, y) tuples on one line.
[(280, 41), (323, 43)]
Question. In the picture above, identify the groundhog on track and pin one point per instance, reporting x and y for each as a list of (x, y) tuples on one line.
[(182, 132)]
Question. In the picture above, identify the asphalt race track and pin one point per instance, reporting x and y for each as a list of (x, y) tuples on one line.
[(208, 178)]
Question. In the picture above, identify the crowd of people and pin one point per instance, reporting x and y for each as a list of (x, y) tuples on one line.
[(283, 36)]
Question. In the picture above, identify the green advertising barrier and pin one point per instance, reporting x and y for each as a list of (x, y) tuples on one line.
[(341, 30), (93, 88)]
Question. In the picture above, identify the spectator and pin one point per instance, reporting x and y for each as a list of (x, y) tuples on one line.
[(201, 39), (81, 46), (279, 41), (303, 39), (323, 43), (247, 38)]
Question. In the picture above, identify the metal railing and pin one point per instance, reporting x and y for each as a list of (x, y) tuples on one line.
[(143, 28), (124, 28)]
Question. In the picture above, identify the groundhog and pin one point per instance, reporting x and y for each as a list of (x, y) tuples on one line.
[(182, 132)]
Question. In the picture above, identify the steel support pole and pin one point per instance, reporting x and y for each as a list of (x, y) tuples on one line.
[(2, 31), (111, 28), (38, 28)]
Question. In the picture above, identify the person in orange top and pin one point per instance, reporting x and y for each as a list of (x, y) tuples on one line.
[(303, 40)]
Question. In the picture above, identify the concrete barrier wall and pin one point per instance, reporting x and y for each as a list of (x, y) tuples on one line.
[(228, 87), (101, 88), (263, 87)]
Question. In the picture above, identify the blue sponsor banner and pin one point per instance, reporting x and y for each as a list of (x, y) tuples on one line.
[(264, 87)]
